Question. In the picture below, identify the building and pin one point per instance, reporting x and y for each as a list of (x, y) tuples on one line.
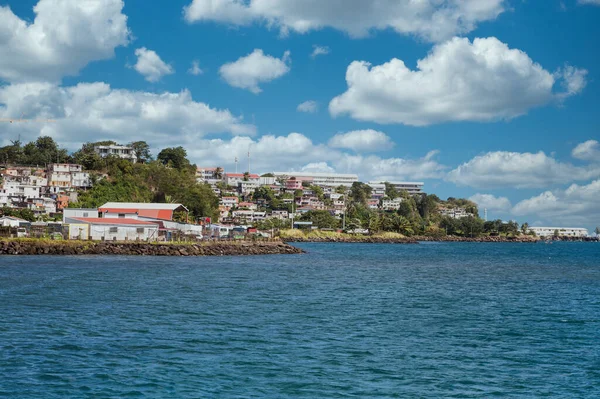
[(11, 221), (232, 179), (109, 229), (71, 213), (137, 210), (321, 179), (293, 184), (391, 205), (229, 202), (562, 231), (454, 213), (411, 187), (121, 151)]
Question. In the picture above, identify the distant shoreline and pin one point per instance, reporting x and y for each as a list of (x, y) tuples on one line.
[(417, 239)]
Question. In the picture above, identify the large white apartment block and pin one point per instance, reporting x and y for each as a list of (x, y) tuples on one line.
[(321, 179), (562, 231), (121, 151), (64, 168), (410, 187)]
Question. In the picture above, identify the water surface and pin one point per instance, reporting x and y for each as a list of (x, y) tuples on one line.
[(451, 320)]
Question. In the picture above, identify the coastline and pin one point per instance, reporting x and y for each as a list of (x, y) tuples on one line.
[(234, 248), (417, 239)]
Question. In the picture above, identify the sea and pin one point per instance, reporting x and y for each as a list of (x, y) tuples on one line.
[(431, 320)]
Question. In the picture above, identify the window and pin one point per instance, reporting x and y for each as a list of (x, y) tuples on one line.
[(121, 216), (85, 214), (113, 230), (140, 230)]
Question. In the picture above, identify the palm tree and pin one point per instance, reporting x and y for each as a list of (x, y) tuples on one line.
[(402, 225), (525, 228), (246, 176), (597, 231), (218, 174)]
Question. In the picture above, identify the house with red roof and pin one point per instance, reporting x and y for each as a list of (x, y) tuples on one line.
[(139, 210)]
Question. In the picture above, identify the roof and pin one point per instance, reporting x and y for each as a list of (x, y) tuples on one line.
[(252, 176), (16, 219), (141, 205), (113, 221)]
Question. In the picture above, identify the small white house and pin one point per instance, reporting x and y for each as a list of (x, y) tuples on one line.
[(11, 221), (99, 229)]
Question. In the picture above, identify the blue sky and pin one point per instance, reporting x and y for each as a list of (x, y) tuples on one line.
[(490, 99)]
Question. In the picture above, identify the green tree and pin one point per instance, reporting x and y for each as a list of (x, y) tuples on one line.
[(556, 233), (142, 151), (471, 226), (360, 193), (390, 191), (597, 231), (525, 228), (321, 219), (218, 174), (175, 157)]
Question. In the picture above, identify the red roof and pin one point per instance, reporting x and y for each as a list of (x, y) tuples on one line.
[(241, 175), (113, 221), (163, 214)]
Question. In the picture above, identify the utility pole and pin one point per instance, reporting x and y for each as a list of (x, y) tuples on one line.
[(248, 159), (344, 215), (485, 214), (236, 165)]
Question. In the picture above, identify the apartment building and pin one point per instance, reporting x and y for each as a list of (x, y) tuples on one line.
[(321, 179), (411, 187), (562, 231), (121, 151)]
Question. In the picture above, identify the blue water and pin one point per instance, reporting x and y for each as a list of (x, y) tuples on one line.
[(343, 321)]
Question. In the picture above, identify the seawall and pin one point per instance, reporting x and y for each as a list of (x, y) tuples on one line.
[(43, 247), (410, 240)]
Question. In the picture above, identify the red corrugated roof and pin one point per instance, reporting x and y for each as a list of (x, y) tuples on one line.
[(115, 221), (118, 210)]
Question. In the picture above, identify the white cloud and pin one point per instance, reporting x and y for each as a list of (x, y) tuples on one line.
[(362, 141), (319, 50), (255, 68), (296, 152), (310, 107), (519, 170), (594, 2), (432, 20), (458, 81), (151, 66), (588, 151), (195, 69), (63, 38), (576, 206), (95, 111), (491, 203)]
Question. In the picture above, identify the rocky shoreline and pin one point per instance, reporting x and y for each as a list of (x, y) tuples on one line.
[(41, 247)]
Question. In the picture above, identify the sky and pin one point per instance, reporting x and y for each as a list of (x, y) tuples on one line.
[(492, 100)]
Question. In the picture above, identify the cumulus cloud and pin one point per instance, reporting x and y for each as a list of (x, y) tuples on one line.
[(432, 20), (490, 202), (308, 106), (63, 38), (587, 151), (296, 152), (195, 69), (593, 2), (319, 50), (151, 66), (255, 68), (576, 206), (95, 111), (362, 140), (519, 170), (459, 80)]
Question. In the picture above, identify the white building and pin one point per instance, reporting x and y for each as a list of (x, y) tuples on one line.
[(321, 179), (79, 213), (112, 229), (11, 221), (411, 187), (121, 151), (562, 231), (232, 179), (391, 205), (455, 213)]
